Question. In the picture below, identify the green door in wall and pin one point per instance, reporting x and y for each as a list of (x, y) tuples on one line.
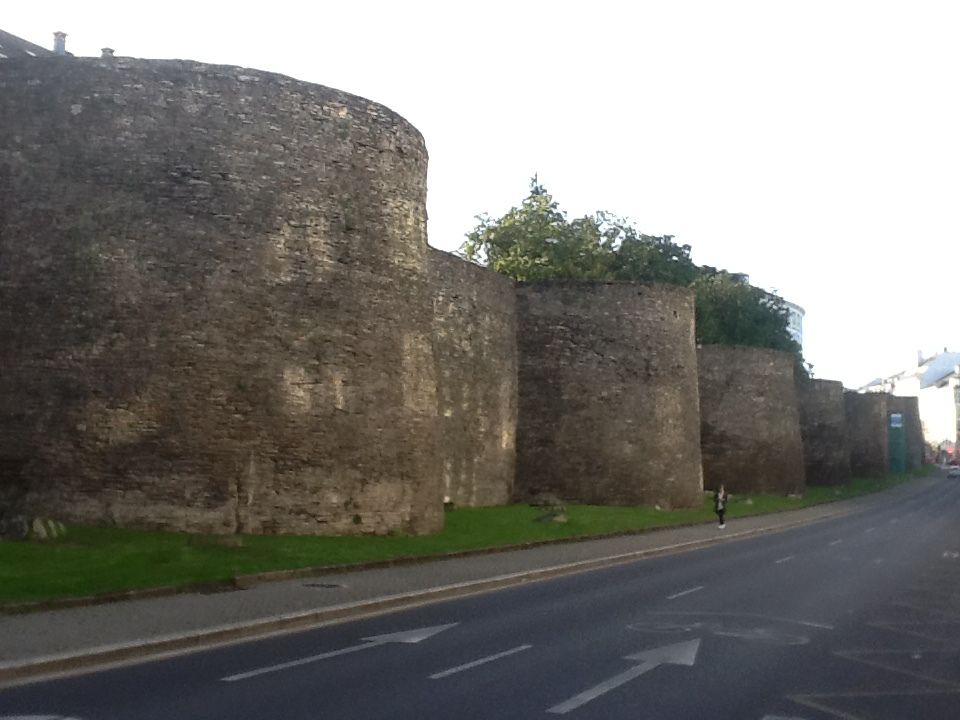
[(897, 443)]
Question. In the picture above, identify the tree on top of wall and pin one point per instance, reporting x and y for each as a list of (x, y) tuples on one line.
[(536, 241), (731, 311)]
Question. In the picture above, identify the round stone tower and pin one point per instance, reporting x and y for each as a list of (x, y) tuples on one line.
[(750, 420), (607, 408), (215, 310)]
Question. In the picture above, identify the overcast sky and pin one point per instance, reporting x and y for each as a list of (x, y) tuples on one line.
[(813, 145)]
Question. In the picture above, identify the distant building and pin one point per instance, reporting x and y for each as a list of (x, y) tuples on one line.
[(935, 381), (795, 315), (12, 46)]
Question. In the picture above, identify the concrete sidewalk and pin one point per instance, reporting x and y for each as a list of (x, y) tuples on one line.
[(81, 637)]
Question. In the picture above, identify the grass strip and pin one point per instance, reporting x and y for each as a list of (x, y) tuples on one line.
[(93, 561)]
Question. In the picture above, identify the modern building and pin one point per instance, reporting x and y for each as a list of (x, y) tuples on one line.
[(795, 315)]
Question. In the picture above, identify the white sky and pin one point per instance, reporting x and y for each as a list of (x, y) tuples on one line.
[(814, 145)]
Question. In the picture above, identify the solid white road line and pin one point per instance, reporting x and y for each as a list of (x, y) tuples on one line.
[(785, 559), (481, 661), (685, 592)]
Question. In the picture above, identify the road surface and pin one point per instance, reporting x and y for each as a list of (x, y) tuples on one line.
[(855, 617)]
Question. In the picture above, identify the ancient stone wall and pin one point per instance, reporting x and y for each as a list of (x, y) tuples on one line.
[(215, 307), (475, 351), (909, 407), (749, 420), (607, 409), (823, 428), (867, 418)]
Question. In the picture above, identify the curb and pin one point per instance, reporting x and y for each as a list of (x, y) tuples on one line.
[(154, 648)]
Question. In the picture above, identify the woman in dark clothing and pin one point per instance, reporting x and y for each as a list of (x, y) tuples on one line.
[(720, 504)]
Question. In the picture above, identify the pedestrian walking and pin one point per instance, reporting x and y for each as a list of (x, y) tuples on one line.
[(720, 504)]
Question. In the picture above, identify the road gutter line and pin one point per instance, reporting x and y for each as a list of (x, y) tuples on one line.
[(685, 592), (481, 661)]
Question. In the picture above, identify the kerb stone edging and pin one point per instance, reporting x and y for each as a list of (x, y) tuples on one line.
[(154, 648)]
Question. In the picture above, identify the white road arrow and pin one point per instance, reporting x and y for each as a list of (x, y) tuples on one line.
[(684, 653), (407, 636)]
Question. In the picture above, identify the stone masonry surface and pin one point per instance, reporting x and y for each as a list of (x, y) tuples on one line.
[(867, 432), (215, 304), (750, 421), (475, 350), (607, 409), (823, 427), (219, 313)]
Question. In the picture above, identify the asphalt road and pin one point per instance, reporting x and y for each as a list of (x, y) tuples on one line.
[(856, 617)]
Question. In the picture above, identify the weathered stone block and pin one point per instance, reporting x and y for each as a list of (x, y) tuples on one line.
[(607, 410), (750, 421), (867, 418), (475, 355), (46, 529), (215, 307), (823, 427)]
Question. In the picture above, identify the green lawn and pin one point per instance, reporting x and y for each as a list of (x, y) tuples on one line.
[(90, 561)]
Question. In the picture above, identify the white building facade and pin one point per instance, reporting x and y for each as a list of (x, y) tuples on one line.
[(935, 382), (795, 315)]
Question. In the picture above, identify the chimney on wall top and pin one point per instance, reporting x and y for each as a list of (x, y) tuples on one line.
[(106, 52), (59, 43)]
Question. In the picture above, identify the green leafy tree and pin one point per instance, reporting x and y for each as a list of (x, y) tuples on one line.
[(733, 312), (536, 241), (650, 258)]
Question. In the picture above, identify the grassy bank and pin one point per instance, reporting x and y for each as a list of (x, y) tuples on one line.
[(91, 561)]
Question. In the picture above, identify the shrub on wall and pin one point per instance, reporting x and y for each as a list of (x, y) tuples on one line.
[(536, 241)]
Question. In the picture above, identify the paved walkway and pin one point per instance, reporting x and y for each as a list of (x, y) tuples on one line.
[(79, 637)]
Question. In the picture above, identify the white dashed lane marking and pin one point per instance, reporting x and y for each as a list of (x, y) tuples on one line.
[(685, 592), (481, 661)]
